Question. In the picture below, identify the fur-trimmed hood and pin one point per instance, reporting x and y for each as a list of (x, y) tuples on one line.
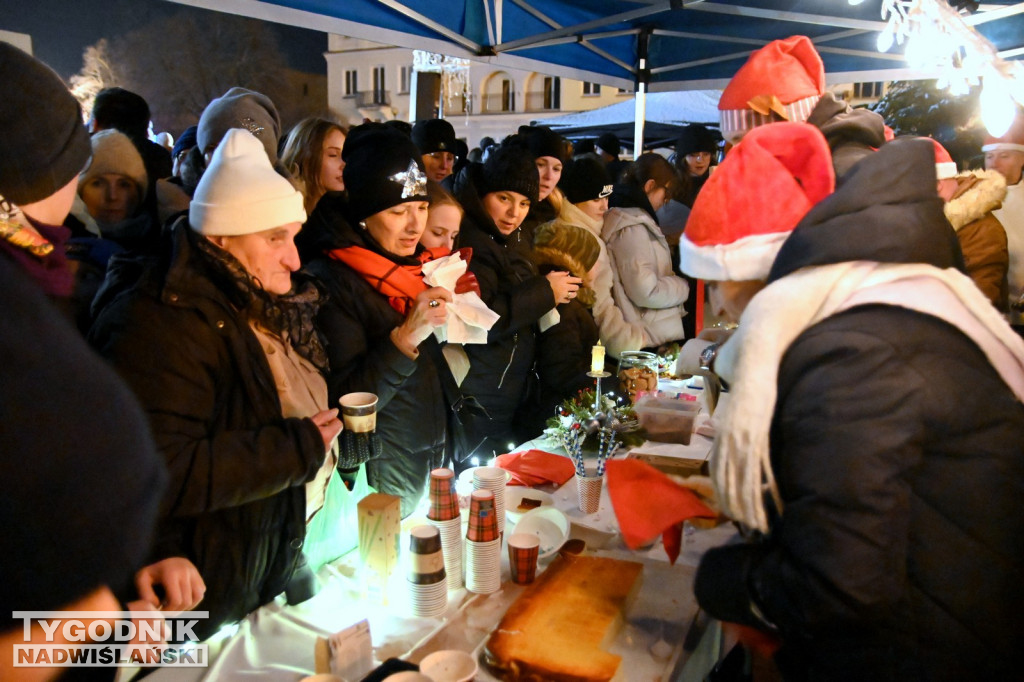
[(978, 192)]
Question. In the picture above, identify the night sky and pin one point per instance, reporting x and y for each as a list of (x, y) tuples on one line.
[(62, 29)]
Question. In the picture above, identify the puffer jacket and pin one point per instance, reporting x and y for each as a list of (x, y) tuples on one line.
[(897, 449), (617, 334), (851, 133), (357, 322), (982, 237), (645, 288), (501, 372), (235, 505)]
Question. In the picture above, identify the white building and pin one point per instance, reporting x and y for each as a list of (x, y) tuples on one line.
[(367, 80)]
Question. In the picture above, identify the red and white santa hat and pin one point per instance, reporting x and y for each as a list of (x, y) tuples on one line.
[(1012, 140), (945, 167), (785, 78), (749, 206)]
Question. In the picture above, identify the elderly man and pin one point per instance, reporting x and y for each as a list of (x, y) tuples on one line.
[(207, 339), (1006, 155)]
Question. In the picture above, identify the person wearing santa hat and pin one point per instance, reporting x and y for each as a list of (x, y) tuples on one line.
[(785, 81), (1006, 155), (970, 198), (217, 341), (872, 440)]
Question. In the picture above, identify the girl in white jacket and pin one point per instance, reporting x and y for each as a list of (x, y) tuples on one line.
[(645, 288)]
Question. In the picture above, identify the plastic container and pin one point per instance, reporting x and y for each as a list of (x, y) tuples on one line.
[(667, 420)]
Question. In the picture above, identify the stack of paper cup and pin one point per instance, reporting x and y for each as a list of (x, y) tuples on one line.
[(483, 545), (428, 587), (493, 479), (444, 515)]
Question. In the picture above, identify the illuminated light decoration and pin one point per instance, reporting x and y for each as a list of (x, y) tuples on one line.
[(454, 72), (936, 39)]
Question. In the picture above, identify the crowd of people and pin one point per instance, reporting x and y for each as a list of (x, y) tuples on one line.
[(180, 326)]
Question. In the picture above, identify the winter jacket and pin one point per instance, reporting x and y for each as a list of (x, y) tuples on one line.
[(501, 373), (644, 286), (236, 504), (897, 449), (617, 334), (1011, 216), (357, 322), (851, 133), (982, 237)]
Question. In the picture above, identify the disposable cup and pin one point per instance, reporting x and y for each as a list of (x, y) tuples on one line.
[(359, 411), (589, 490), (523, 550)]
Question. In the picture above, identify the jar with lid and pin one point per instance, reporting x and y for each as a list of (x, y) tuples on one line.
[(638, 371)]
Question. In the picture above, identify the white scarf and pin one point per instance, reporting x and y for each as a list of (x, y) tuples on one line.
[(778, 314)]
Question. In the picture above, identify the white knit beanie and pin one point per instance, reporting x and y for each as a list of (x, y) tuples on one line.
[(113, 152), (241, 193)]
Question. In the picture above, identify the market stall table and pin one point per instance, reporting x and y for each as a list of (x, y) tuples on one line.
[(278, 641)]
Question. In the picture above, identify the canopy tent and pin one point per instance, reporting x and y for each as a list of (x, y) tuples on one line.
[(664, 44), (666, 113)]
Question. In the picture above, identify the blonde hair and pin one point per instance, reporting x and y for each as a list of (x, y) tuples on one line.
[(303, 155), (439, 196)]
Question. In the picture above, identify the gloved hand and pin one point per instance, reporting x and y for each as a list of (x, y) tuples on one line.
[(358, 448), (467, 283)]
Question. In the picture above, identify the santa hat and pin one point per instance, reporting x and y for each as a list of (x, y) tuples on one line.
[(1012, 140), (785, 77), (945, 167), (748, 207), (241, 193)]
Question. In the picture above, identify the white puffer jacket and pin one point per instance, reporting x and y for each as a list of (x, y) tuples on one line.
[(617, 334), (645, 288)]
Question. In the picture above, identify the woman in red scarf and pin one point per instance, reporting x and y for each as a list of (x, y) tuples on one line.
[(380, 313)]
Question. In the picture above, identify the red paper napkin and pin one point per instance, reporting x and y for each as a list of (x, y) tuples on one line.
[(648, 503), (535, 467)]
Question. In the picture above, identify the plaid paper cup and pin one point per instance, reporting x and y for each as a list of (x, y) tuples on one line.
[(483, 520), (523, 550), (444, 502)]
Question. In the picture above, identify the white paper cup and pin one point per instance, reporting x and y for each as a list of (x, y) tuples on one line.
[(359, 412)]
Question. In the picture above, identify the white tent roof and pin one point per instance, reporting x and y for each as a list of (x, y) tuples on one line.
[(677, 108)]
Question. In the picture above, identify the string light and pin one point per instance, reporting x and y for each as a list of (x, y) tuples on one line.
[(938, 40)]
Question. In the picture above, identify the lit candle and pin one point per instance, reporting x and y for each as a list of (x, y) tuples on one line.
[(597, 358)]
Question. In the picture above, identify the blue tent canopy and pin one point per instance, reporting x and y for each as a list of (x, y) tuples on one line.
[(683, 44)]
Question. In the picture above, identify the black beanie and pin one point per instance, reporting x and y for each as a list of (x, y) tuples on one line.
[(434, 135), (511, 168), (382, 169), (585, 178), (185, 142), (122, 110), (697, 138), (43, 143), (609, 143), (542, 141)]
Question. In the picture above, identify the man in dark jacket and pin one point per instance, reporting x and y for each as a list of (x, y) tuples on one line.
[(874, 429), (187, 337)]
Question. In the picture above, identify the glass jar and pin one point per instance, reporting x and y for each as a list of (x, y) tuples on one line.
[(638, 371)]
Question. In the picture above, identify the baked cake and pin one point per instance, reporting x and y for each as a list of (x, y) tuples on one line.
[(558, 629)]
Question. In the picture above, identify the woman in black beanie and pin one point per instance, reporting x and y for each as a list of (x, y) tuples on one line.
[(380, 313), (497, 196)]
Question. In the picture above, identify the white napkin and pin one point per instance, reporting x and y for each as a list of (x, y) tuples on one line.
[(469, 318)]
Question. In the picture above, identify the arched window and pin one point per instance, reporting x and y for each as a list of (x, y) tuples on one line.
[(543, 93), (499, 93)]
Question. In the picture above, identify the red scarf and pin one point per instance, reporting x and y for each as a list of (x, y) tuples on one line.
[(400, 283)]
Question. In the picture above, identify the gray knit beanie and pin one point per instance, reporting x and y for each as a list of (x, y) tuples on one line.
[(43, 142), (240, 108)]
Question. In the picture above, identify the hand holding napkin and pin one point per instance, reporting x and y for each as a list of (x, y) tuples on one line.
[(536, 467), (469, 318), (648, 503)]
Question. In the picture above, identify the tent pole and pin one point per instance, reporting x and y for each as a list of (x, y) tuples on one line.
[(643, 77)]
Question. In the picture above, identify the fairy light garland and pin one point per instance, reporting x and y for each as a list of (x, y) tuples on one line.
[(936, 38)]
